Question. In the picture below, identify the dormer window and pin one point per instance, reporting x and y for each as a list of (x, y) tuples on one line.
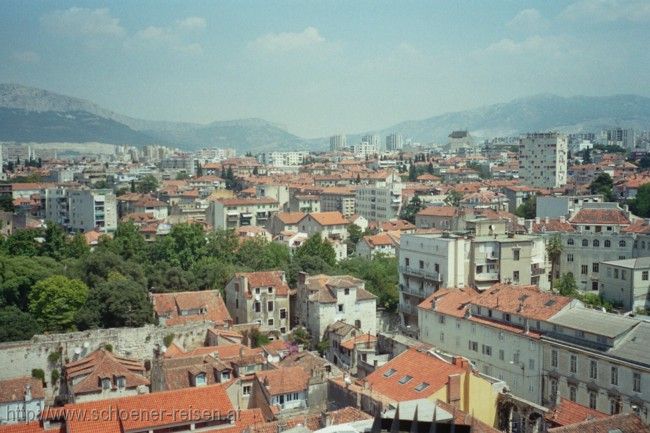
[(121, 382), (257, 290), (270, 289), (406, 379), (106, 383), (200, 379), (225, 375)]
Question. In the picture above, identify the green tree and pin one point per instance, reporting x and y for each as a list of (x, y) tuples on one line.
[(18, 275), (603, 184), (147, 184), (586, 156), (354, 233), (453, 198), (118, 302), (316, 246), (413, 173), (566, 285), (300, 335), (411, 209), (380, 275), (222, 244), (77, 246), (528, 209), (554, 250), (209, 273), (6, 203), (182, 175), (55, 244), (258, 254), (55, 301), (16, 325), (189, 243), (644, 162), (640, 205), (24, 243)]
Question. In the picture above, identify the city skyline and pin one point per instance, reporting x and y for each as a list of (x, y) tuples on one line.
[(319, 69)]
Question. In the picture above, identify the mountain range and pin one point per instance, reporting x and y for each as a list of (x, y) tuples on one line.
[(29, 114)]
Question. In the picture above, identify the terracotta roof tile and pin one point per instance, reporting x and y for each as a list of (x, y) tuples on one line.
[(439, 211), (283, 380), (622, 423), (209, 302), (273, 279), (290, 218), (328, 218), (14, 389), (601, 216), (569, 412)]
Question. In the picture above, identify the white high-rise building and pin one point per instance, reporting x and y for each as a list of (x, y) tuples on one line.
[(372, 139), (80, 209), (543, 159), (338, 142), (620, 137), (394, 142), (365, 149)]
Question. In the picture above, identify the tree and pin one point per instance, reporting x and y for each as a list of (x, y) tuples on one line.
[(411, 209), (380, 275), (430, 168), (222, 245), (189, 243), (255, 171), (6, 203), (586, 156), (258, 254), (554, 250), (354, 233), (147, 184), (77, 246), (640, 205), (316, 246), (453, 198), (413, 174), (16, 325), (300, 336), (55, 244), (55, 301), (566, 285), (19, 274), (644, 162), (603, 184), (24, 243), (528, 209), (182, 175), (118, 302), (209, 273)]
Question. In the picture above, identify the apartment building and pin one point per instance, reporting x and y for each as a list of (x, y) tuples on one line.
[(552, 206), (499, 330), (394, 142), (379, 203), (543, 159), (260, 297), (341, 199), (625, 283), (322, 300), (338, 142), (80, 209), (439, 217), (299, 202), (230, 213), (332, 225), (283, 159)]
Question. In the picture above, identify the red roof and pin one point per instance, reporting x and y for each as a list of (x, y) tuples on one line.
[(423, 368), (208, 303), (328, 218), (290, 217), (439, 211), (601, 216), (12, 390), (621, 423), (569, 412), (284, 380)]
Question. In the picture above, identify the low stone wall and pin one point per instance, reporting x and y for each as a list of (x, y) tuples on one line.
[(19, 358)]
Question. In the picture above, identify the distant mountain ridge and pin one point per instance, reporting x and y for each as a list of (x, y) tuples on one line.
[(29, 114)]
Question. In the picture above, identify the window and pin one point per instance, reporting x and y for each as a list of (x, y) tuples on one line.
[(257, 290), (573, 364), (246, 390), (269, 306), (473, 346), (644, 275), (346, 291), (553, 358), (407, 262), (390, 372), (236, 287), (593, 369), (421, 387), (236, 304), (572, 393), (121, 382), (515, 276), (614, 406), (502, 355), (580, 334), (283, 313), (436, 267), (487, 350), (584, 269), (592, 399), (587, 227), (270, 322), (616, 273), (442, 337), (457, 323), (225, 375), (596, 243), (506, 317), (614, 376), (283, 330), (406, 379), (340, 307), (106, 383), (441, 319), (515, 357), (553, 388), (623, 274), (569, 241), (585, 243), (594, 267), (636, 382), (621, 244), (531, 364), (515, 255), (608, 243), (569, 257), (421, 264), (200, 379)]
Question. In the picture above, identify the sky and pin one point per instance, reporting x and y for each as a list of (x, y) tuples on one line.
[(322, 67)]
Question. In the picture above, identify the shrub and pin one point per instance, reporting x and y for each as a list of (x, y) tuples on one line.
[(168, 340), (108, 347), (37, 373), (54, 357), (55, 377)]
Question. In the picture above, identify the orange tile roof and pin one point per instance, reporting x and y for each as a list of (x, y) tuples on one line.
[(328, 218), (366, 339), (552, 226), (14, 389), (421, 367), (273, 279), (283, 380), (396, 225), (569, 412), (601, 216), (290, 217), (528, 301), (30, 427), (169, 306), (623, 423), (246, 201), (439, 211), (379, 240)]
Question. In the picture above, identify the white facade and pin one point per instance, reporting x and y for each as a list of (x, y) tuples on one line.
[(626, 283), (394, 142), (80, 209), (379, 203), (543, 160), (365, 149), (283, 159), (232, 213), (338, 142)]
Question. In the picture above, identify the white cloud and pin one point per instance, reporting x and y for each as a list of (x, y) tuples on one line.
[(533, 44), (528, 20), (288, 41), (192, 23), (83, 22), (608, 10), (26, 57), (163, 37)]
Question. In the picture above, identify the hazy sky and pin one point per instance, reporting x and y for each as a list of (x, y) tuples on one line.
[(319, 67)]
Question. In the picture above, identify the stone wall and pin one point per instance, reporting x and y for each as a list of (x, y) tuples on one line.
[(21, 357)]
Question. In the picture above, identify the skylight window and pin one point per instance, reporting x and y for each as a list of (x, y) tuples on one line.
[(405, 379), (390, 372), (421, 387)]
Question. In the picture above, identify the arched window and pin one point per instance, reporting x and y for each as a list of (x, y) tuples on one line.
[(608, 243), (621, 244), (569, 241), (596, 243), (585, 243)]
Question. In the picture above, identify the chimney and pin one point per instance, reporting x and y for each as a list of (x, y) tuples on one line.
[(562, 219), (28, 393), (546, 219), (527, 324)]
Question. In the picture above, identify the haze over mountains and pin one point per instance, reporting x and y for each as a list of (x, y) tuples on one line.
[(34, 115)]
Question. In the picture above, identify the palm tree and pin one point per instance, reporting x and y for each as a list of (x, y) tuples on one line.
[(554, 250)]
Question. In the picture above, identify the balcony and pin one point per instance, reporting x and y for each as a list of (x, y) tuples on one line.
[(487, 276), (536, 271), (413, 291), (424, 273)]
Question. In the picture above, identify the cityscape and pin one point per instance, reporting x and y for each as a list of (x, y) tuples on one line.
[(338, 267)]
